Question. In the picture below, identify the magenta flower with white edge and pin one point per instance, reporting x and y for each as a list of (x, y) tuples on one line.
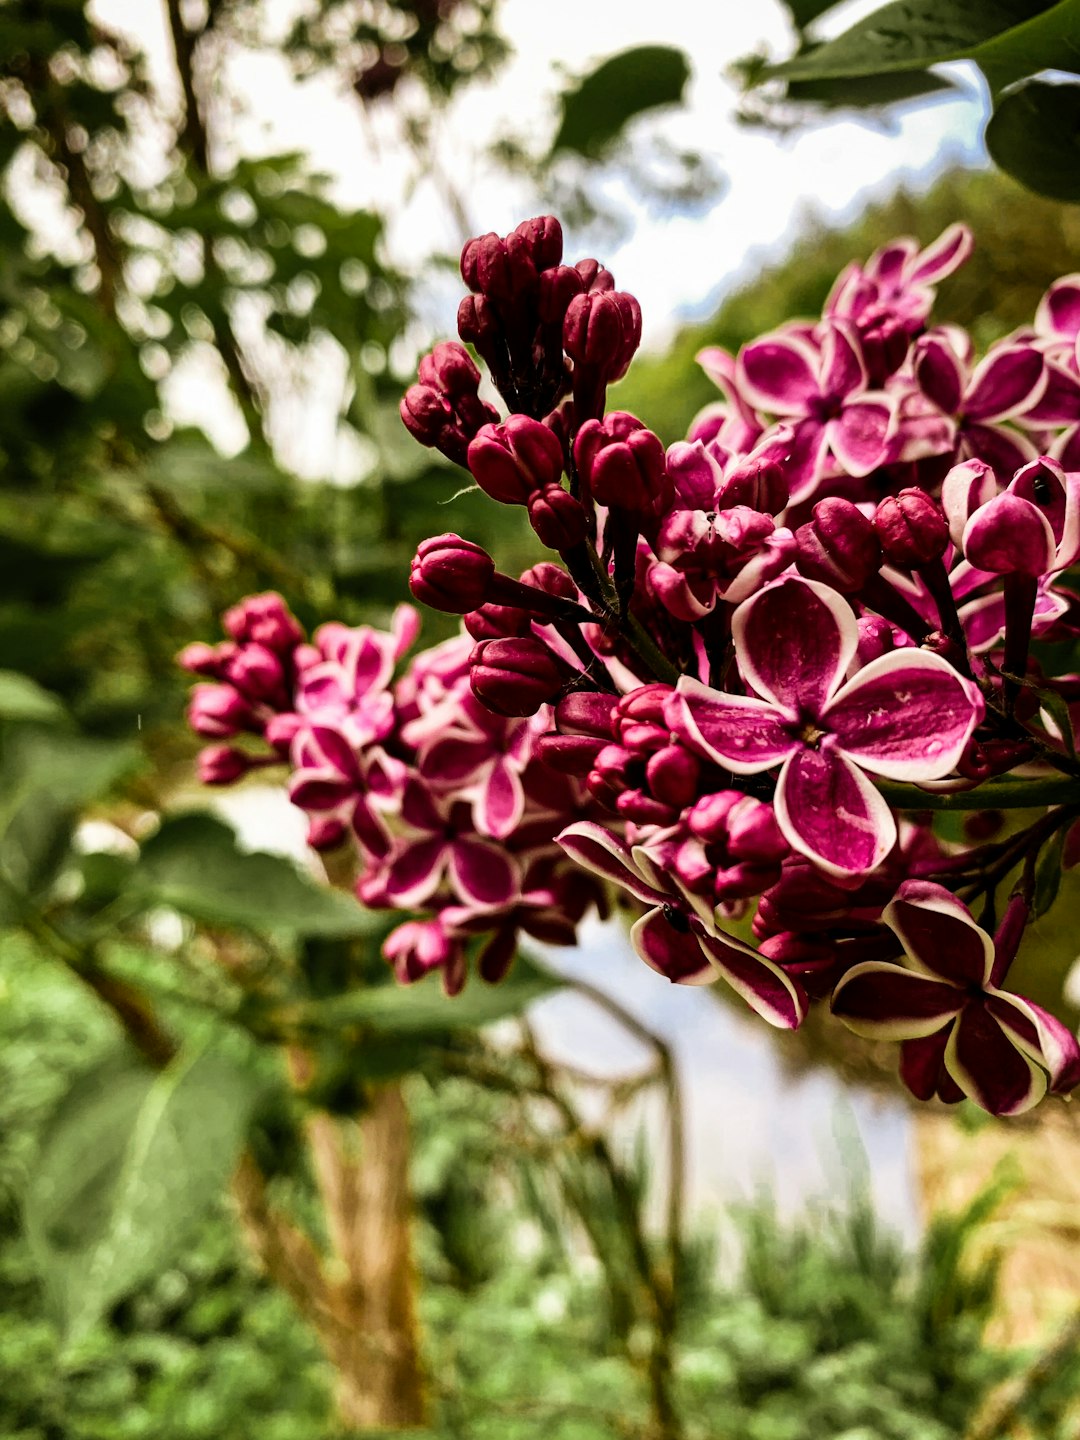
[(681, 944), (906, 716), (963, 1035), (823, 395), (348, 685)]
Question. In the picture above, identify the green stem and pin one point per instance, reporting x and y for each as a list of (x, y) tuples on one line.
[(995, 795)]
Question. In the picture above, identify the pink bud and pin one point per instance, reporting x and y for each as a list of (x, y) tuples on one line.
[(222, 764), (451, 574), (838, 546), (558, 287), (550, 578), (602, 331), (265, 619), (621, 463), (588, 712), (912, 529), (1009, 535), (219, 710), (416, 947), (965, 488), (515, 677), (673, 775), (281, 731), (202, 659), (761, 484), (557, 517), (256, 672), (569, 754), (876, 638), (512, 460), (326, 832), (450, 369), (497, 622), (543, 239)]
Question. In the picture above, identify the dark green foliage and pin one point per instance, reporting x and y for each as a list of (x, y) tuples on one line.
[(596, 111), (1034, 135)]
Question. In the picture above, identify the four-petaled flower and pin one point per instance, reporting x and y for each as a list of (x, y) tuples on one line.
[(906, 716), (962, 1034)]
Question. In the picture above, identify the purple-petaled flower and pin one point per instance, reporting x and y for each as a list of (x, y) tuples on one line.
[(419, 946), (906, 716), (438, 844), (1033, 526), (345, 685), (823, 395), (681, 944), (962, 1034), (1009, 381)]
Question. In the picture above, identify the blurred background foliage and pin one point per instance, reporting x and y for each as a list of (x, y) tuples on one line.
[(150, 967)]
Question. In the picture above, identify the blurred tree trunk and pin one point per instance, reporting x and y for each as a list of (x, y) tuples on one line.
[(363, 1172)]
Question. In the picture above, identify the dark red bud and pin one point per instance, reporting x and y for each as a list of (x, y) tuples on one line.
[(497, 622), (451, 574), (621, 463), (512, 460), (515, 677), (559, 520), (673, 775), (543, 238), (912, 529), (222, 764), (838, 546)]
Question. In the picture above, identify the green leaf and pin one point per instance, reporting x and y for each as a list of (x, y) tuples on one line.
[(624, 86), (24, 699), (803, 12), (127, 1164), (866, 92), (194, 865), (424, 1008), (1048, 41), (909, 35), (36, 843), (69, 769), (1034, 136)]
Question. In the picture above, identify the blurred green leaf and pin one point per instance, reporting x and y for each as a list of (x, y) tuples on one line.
[(1048, 875), (803, 12), (23, 699), (1049, 40), (67, 769), (909, 35), (193, 865), (598, 108), (35, 844), (127, 1164), (425, 1008), (865, 92), (1034, 136)]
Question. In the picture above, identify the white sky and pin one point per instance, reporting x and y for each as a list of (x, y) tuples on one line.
[(673, 263)]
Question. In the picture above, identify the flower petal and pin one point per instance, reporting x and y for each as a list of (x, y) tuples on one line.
[(805, 456), (414, 872), (842, 369), (938, 933), (1041, 1036), (1059, 309), (483, 875), (859, 436), (906, 716), (939, 372), (740, 732), (764, 986), (830, 812), (1006, 382), (922, 1068), (779, 373), (988, 1067), (675, 954), (794, 641), (940, 258), (500, 803), (887, 1002), (1003, 449), (596, 849)]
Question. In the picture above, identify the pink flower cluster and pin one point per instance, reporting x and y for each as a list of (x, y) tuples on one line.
[(757, 662)]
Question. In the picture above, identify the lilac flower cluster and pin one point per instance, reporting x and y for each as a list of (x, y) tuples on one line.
[(757, 662)]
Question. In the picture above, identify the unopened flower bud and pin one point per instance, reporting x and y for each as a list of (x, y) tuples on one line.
[(202, 659), (281, 731), (543, 239), (415, 948), (602, 331), (450, 369), (673, 775), (1009, 535), (557, 517), (557, 287), (588, 712), (761, 484), (876, 638), (621, 463), (219, 710), (222, 764), (838, 546), (569, 754), (451, 574), (497, 622), (511, 460), (911, 528), (256, 672), (550, 578), (266, 620), (515, 677), (326, 832)]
